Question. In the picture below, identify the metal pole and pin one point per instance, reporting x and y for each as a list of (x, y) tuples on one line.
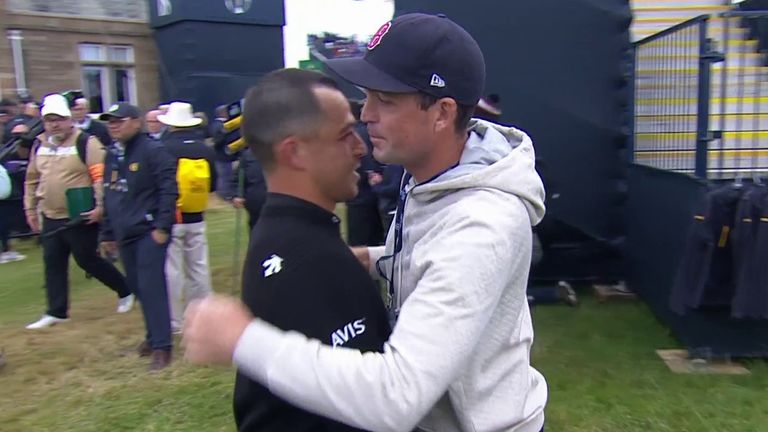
[(702, 116), (15, 37)]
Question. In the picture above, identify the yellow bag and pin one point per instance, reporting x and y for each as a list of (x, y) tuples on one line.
[(194, 179)]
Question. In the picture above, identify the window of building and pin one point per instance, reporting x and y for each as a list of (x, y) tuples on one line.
[(108, 75), (104, 9)]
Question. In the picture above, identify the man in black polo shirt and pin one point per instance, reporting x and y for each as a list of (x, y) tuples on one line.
[(299, 275)]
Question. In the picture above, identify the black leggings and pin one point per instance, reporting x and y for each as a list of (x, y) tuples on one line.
[(5, 230)]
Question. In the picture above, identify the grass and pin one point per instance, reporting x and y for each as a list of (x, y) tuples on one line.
[(598, 359)]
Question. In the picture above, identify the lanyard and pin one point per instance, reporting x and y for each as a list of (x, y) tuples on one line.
[(399, 228)]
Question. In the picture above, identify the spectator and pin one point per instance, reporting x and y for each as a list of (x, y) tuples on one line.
[(364, 224), (6, 211), (14, 164), (155, 129), (86, 124), (140, 202), (224, 159), (489, 108), (32, 110), (66, 159), (17, 115), (386, 186), (7, 112), (254, 189), (186, 268)]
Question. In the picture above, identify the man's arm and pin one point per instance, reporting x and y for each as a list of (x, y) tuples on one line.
[(95, 155), (164, 172), (217, 133), (31, 182), (210, 157), (105, 228), (439, 326)]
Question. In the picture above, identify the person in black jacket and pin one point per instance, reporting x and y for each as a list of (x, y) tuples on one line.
[(139, 206), (7, 112), (386, 186), (254, 187), (25, 111), (299, 274), (186, 268), (227, 187), (86, 124), (364, 224)]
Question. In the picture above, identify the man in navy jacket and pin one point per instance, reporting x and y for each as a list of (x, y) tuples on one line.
[(140, 195)]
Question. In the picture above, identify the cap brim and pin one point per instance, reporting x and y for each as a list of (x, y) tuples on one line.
[(107, 116), (59, 113), (363, 74)]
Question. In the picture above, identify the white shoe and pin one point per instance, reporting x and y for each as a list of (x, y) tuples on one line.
[(125, 304), (11, 256), (46, 321)]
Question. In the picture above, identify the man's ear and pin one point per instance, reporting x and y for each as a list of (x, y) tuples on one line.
[(447, 110), (291, 153)]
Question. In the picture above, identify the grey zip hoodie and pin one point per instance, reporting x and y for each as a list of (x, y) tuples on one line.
[(458, 358)]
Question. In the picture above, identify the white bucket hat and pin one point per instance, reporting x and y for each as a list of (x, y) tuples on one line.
[(179, 115)]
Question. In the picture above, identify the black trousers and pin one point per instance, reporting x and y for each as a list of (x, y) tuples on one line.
[(81, 241), (144, 262), (5, 229)]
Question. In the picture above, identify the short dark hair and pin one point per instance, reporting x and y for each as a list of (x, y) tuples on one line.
[(282, 104), (356, 106), (463, 112)]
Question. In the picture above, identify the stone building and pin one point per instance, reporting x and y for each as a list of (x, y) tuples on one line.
[(103, 47)]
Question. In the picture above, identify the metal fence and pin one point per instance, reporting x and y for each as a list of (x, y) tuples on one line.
[(672, 78), (742, 98), (701, 97)]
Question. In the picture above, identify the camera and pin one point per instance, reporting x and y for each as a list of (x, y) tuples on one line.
[(72, 96), (24, 140)]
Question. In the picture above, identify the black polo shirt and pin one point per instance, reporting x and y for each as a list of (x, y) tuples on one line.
[(300, 275)]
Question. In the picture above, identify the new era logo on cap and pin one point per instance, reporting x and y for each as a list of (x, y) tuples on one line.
[(437, 81)]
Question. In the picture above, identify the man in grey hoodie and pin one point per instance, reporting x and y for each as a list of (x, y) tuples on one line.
[(456, 259)]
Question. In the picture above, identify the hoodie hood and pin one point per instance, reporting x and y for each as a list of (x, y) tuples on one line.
[(495, 157)]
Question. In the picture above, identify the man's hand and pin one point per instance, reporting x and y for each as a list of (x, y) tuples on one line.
[(159, 236), (238, 203), (109, 248), (374, 178), (33, 221), (362, 255), (212, 327), (93, 216)]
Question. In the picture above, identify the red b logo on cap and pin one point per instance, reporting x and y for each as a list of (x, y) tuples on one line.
[(376, 39)]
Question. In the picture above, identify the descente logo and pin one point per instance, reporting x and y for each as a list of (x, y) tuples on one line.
[(348, 332)]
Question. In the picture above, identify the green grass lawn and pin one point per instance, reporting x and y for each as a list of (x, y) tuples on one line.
[(599, 361)]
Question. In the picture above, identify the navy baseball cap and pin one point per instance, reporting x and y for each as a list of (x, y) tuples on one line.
[(419, 52)]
